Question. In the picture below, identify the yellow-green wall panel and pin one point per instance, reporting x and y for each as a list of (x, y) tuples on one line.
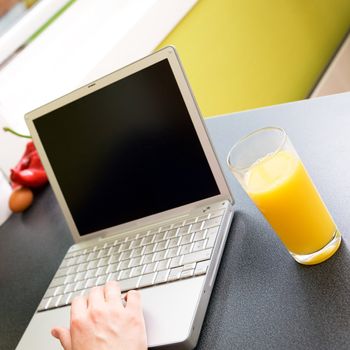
[(242, 54)]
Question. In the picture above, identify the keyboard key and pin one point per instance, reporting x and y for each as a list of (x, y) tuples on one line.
[(175, 262), (189, 266), (124, 274), (68, 298), (101, 271), (101, 280), (72, 261), (57, 281), (183, 230), (126, 255), (90, 273), (186, 274), (137, 252), (159, 236), (173, 252), (159, 255), (185, 249), (201, 268), (150, 267), (129, 284), (59, 290), (92, 264), (211, 236), (115, 250), (55, 301), (196, 227), (44, 304), (161, 246), (92, 256), (82, 259), (92, 282), (50, 292), (103, 262), (124, 264), (124, 246), (174, 274), (147, 280), (69, 288), (171, 233), (197, 256), (162, 276), (212, 232), (137, 271), (150, 248), (186, 239), (112, 276), (62, 272), (114, 258), (136, 261), (79, 285), (82, 267), (136, 243), (199, 245), (74, 295), (174, 242), (163, 264), (79, 276), (147, 240), (148, 258), (212, 222), (72, 269), (70, 279), (112, 268), (199, 236)]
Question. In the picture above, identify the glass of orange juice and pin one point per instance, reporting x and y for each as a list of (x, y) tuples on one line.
[(271, 172)]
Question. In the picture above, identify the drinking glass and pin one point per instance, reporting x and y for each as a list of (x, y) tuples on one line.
[(269, 169)]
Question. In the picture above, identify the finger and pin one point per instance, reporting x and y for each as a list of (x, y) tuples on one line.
[(63, 335), (133, 301), (96, 297), (78, 308), (112, 293)]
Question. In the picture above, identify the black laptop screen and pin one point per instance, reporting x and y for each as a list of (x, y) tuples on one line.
[(126, 151)]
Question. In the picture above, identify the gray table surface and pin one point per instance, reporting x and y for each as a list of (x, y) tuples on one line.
[(262, 299)]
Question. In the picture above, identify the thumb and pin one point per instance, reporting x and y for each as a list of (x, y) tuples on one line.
[(63, 335)]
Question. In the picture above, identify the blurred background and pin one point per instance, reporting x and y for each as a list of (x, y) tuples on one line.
[(248, 54), (237, 54)]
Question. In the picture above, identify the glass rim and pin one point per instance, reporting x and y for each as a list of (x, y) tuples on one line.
[(244, 138)]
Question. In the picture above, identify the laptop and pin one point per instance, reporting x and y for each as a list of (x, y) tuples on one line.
[(134, 172)]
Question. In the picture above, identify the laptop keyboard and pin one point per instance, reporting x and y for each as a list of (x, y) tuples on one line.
[(166, 254)]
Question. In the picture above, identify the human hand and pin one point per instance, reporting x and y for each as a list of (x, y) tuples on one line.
[(101, 322)]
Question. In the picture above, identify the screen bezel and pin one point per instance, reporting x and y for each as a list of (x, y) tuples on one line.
[(170, 54)]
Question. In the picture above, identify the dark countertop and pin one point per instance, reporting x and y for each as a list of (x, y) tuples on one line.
[(262, 298)]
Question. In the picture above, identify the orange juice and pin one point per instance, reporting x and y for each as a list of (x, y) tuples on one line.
[(281, 188)]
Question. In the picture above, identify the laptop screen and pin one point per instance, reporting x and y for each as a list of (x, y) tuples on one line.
[(126, 151)]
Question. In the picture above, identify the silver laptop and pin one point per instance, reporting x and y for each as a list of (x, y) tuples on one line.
[(135, 174)]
